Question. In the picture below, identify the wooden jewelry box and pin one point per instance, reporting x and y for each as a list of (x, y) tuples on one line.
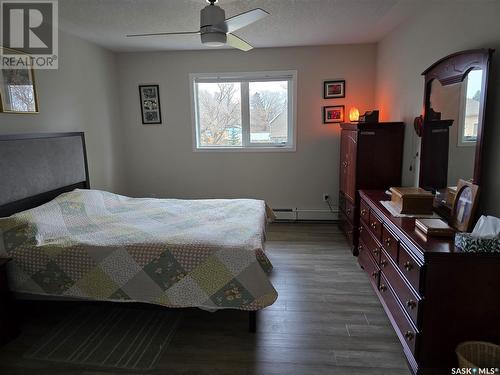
[(411, 200)]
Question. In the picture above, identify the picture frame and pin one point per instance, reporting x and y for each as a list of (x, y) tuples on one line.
[(149, 96), (18, 94), (464, 206), (334, 89), (333, 114)]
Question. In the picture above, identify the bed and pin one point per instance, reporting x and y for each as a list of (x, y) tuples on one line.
[(67, 241)]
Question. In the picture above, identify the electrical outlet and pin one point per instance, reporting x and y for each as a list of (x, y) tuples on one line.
[(326, 197)]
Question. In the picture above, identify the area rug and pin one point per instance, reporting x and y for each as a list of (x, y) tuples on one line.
[(109, 336)]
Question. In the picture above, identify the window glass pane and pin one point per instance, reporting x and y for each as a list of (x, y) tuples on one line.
[(268, 112), (21, 98), (219, 114), (472, 100)]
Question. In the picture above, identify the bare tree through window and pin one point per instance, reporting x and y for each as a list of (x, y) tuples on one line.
[(220, 113)]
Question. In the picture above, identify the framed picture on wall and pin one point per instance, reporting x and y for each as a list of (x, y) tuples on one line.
[(333, 114), (18, 90), (334, 89), (150, 104)]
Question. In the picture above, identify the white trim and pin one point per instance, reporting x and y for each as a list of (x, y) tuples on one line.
[(288, 75), (245, 114)]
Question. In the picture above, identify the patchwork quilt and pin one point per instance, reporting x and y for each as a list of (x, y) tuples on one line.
[(97, 245)]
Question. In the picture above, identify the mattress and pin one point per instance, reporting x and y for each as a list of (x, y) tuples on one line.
[(95, 245)]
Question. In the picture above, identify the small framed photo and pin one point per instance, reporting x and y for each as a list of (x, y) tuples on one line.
[(464, 206), (334, 89), (17, 89), (150, 104), (333, 114)]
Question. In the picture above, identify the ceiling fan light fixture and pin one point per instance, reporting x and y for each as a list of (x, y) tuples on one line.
[(216, 30), (213, 39)]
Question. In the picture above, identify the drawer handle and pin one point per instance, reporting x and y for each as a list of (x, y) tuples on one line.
[(409, 335), (374, 273), (411, 304), (344, 164), (360, 229), (376, 252), (348, 211), (388, 241), (382, 288), (360, 248), (408, 266), (363, 212), (374, 225), (383, 263)]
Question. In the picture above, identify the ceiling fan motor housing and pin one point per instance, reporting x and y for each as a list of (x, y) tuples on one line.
[(212, 19), (212, 27)]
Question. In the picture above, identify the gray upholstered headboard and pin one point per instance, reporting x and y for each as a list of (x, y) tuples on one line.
[(35, 168)]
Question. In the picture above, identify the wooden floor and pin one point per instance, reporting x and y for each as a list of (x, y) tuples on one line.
[(327, 320)]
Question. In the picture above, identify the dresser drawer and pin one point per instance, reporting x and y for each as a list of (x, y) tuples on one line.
[(390, 243), (349, 210), (364, 212), (371, 245), (366, 262), (346, 227), (408, 333), (375, 225), (408, 299), (410, 268)]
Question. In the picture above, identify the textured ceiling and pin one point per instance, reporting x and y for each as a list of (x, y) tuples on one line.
[(291, 23)]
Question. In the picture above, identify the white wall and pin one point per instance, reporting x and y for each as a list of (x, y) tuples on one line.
[(438, 29), (79, 96), (160, 161)]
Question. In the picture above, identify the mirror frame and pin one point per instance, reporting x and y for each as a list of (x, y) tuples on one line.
[(449, 70)]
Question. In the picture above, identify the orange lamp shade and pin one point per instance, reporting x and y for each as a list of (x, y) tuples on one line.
[(353, 114)]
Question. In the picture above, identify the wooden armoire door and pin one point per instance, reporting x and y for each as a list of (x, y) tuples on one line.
[(348, 149)]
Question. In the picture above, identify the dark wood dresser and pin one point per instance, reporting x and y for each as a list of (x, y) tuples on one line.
[(434, 295), (370, 158)]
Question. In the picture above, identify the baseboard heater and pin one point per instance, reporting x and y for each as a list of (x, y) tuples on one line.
[(305, 214)]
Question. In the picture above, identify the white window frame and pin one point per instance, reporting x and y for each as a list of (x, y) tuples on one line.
[(246, 77)]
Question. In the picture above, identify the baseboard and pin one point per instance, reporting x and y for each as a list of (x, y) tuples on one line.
[(305, 215), (312, 221)]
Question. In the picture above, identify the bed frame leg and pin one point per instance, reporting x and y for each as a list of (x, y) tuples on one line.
[(252, 321)]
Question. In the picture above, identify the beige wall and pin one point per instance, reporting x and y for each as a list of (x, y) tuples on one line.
[(160, 160), (79, 96), (407, 51)]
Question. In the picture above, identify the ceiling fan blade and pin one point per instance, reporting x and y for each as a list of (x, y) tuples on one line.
[(244, 19), (235, 42), (162, 34)]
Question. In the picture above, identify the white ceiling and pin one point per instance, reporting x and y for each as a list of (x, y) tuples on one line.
[(291, 23)]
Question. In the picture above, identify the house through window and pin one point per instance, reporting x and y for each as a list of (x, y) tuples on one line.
[(470, 107)]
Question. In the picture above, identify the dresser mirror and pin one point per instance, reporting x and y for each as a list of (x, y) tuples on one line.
[(453, 126)]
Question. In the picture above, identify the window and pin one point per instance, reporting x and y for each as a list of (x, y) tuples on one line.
[(470, 107), (244, 111)]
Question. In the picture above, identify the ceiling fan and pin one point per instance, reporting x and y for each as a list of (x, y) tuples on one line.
[(216, 30)]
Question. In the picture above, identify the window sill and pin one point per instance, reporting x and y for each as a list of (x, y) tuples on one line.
[(245, 149)]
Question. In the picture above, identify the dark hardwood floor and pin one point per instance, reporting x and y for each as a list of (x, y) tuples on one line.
[(327, 320)]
